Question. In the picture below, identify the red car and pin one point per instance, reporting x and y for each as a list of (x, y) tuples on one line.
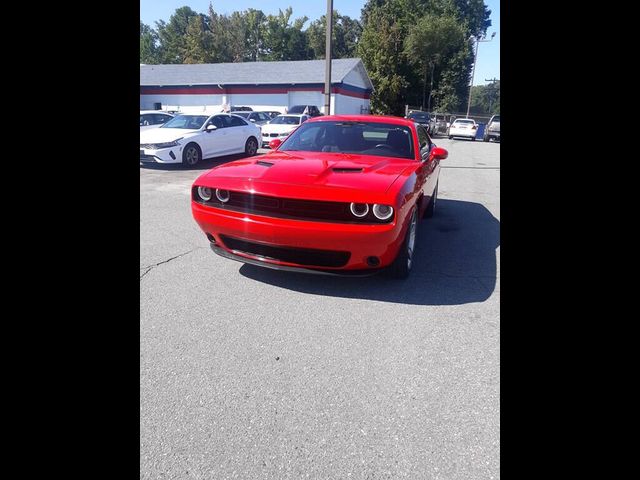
[(341, 194)]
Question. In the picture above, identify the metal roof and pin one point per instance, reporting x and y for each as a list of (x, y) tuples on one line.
[(250, 73)]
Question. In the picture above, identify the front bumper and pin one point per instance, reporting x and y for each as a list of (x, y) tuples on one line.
[(361, 241), (267, 138), (162, 155)]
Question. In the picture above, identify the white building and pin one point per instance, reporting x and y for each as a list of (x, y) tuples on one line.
[(259, 85)]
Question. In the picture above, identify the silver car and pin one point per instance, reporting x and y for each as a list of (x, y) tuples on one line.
[(492, 129)]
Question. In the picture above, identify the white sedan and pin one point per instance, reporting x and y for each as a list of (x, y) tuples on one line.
[(187, 139), (153, 119), (281, 126), (463, 127)]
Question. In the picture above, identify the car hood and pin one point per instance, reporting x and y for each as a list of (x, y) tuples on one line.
[(159, 135), (277, 128), (321, 175)]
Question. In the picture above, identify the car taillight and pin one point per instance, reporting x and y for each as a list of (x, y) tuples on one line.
[(474, 127)]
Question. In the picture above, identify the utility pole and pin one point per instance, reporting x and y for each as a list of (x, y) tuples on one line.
[(475, 60), (327, 68)]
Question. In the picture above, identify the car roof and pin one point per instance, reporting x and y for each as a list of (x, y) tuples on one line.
[(365, 118), (154, 111)]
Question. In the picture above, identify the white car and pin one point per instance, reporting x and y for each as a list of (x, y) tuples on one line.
[(153, 119), (281, 126), (463, 127), (187, 139)]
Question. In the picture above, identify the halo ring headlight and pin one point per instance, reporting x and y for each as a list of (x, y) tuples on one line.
[(382, 212), (222, 195), (204, 193), (359, 209)]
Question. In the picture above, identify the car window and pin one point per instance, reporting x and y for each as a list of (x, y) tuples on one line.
[(145, 120), (264, 117), (297, 109), (217, 121), (467, 122), (496, 119), (236, 121), (186, 121), (286, 120), (161, 118), (367, 138), (423, 138)]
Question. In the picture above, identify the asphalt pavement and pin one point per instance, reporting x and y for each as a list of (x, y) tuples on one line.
[(251, 373)]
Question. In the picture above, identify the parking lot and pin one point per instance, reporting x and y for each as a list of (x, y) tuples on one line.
[(253, 373)]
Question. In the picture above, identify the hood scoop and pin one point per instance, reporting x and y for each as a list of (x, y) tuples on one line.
[(347, 170), (264, 164)]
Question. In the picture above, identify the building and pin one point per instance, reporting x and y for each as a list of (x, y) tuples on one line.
[(259, 85)]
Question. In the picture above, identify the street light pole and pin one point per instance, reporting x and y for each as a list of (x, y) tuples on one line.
[(327, 68), (473, 70)]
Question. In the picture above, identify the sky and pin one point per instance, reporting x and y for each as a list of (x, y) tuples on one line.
[(487, 64)]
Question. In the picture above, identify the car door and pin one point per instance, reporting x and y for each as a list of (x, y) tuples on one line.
[(238, 132), (215, 142), (428, 173)]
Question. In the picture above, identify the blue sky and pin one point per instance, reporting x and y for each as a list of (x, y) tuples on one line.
[(488, 62)]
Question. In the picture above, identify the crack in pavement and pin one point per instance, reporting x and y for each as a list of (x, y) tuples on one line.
[(151, 267)]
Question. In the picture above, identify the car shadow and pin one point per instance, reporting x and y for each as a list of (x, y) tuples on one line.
[(455, 264), (202, 165)]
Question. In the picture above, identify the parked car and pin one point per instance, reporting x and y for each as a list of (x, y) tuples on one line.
[(424, 119), (281, 126), (463, 127), (492, 129), (341, 195), (259, 118), (310, 110), (440, 124), (236, 108), (187, 139), (153, 119), (274, 114)]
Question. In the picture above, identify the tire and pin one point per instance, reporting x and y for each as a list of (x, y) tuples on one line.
[(450, 137), (485, 139), (251, 147), (401, 266), (191, 155), (473, 139), (431, 208)]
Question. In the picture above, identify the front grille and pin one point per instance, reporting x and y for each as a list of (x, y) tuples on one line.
[(148, 146), (300, 256), (147, 158), (274, 134), (289, 208)]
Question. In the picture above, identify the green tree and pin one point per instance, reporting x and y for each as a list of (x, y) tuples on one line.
[(431, 40), (283, 41), (173, 35), (198, 41), (381, 51), (345, 34), (149, 48)]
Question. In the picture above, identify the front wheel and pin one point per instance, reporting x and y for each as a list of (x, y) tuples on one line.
[(251, 147), (191, 155), (473, 139), (401, 266)]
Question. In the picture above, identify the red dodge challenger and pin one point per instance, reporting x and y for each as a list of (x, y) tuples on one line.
[(341, 194)]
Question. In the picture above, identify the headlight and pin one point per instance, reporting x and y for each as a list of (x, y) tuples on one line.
[(222, 195), (359, 209), (205, 193), (157, 146), (382, 212)]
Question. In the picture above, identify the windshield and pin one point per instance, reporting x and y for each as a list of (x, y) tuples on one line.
[(285, 120), (496, 118), (297, 109), (186, 121), (366, 138), (242, 114), (419, 116)]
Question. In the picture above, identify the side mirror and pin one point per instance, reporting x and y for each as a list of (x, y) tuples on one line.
[(439, 153), (211, 128), (275, 143)]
